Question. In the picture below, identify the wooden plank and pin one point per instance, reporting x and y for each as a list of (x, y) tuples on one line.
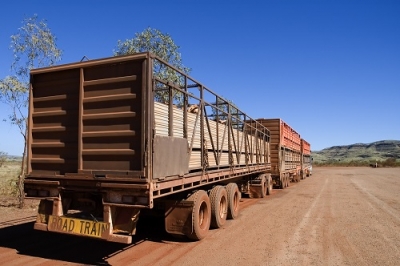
[(215, 139)]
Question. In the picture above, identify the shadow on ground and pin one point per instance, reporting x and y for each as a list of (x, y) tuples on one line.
[(27, 241)]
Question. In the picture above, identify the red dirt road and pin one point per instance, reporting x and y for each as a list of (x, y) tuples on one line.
[(339, 216)]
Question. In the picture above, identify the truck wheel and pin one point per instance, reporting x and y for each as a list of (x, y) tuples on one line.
[(282, 182), (259, 188), (269, 185), (219, 206), (201, 215), (264, 187), (234, 196)]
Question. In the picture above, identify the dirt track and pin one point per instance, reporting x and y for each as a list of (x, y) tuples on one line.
[(339, 216)]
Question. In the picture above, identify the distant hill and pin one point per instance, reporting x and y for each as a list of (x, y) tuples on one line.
[(371, 152)]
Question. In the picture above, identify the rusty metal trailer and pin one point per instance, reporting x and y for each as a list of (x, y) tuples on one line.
[(306, 159), (285, 152), (112, 138)]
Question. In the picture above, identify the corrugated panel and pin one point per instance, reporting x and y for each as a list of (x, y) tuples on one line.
[(87, 117), (54, 122), (112, 117), (305, 147)]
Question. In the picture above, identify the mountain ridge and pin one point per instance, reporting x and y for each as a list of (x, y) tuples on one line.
[(375, 151)]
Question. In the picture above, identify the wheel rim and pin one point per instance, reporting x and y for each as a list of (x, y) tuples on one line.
[(235, 201), (265, 188), (202, 215), (223, 207)]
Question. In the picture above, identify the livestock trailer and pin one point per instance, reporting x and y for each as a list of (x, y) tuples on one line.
[(111, 138), (306, 159), (285, 151)]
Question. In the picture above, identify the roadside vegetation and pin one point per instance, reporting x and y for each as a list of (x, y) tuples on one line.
[(389, 162), (9, 171), (3, 158)]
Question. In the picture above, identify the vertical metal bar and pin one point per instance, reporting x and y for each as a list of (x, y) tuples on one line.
[(30, 126), (233, 138), (147, 118), (170, 112), (257, 144), (210, 134), (201, 111), (80, 119), (193, 133), (185, 114), (218, 122), (237, 138), (229, 123), (245, 137)]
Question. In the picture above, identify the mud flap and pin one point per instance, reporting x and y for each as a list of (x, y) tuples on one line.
[(45, 209), (178, 217), (125, 220)]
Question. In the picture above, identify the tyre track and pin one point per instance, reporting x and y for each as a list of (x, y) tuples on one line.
[(295, 252)]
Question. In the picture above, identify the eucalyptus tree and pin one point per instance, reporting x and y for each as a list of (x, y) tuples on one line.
[(33, 46), (163, 46)]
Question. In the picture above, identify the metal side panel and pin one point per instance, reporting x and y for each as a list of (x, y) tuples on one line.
[(170, 157)]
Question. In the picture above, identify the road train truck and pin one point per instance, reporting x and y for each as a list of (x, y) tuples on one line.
[(113, 138), (285, 152), (306, 159)]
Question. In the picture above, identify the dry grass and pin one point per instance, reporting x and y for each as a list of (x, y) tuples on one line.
[(9, 201), (8, 182)]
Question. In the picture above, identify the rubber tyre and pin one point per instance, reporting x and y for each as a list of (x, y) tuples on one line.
[(219, 206), (259, 190), (269, 185), (234, 197), (264, 187), (201, 215), (282, 182)]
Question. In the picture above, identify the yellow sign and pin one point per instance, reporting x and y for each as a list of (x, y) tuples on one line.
[(76, 226)]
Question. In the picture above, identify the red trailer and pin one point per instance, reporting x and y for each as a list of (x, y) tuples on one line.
[(285, 152), (306, 160)]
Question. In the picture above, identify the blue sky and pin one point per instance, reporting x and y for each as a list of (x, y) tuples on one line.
[(330, 69)]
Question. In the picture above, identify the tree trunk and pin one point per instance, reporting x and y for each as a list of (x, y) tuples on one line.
[(21, 177)]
